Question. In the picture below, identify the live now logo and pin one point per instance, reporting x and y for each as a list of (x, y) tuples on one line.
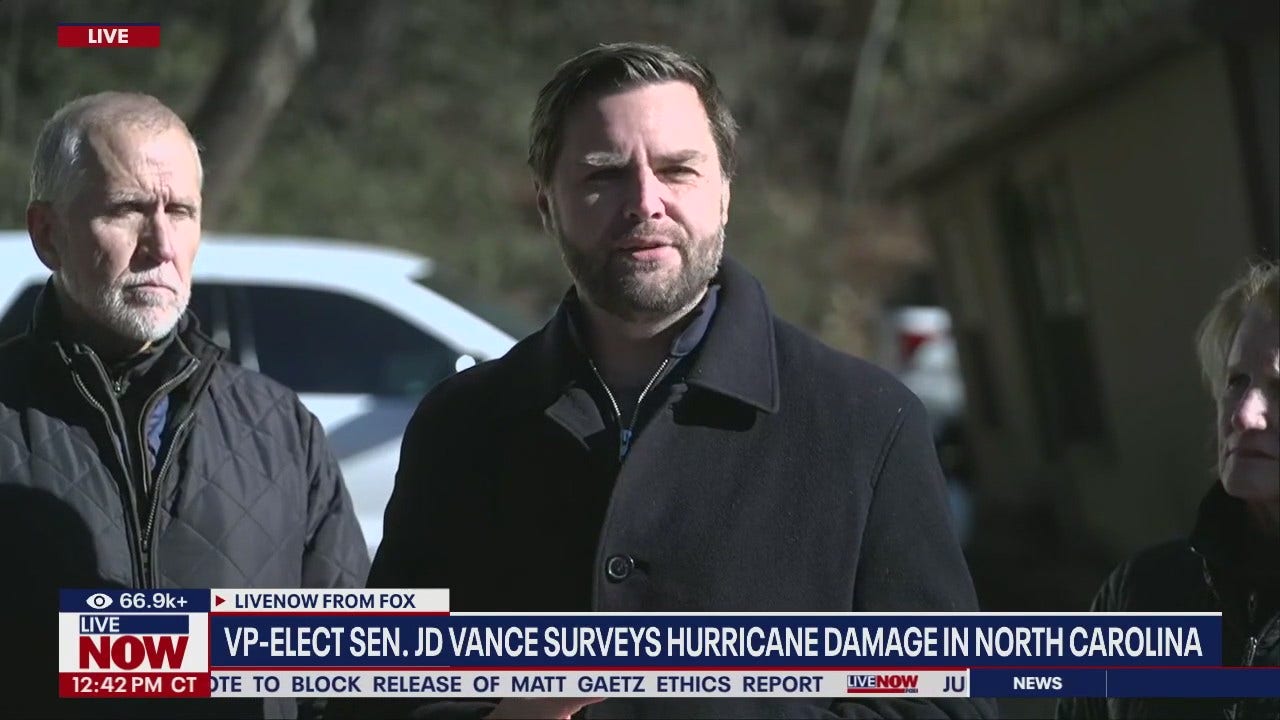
[(108, 35)]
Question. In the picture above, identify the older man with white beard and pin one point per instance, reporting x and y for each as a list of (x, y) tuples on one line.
[(131, 453)]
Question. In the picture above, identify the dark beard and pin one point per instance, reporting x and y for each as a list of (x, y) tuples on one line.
[(627, 288)]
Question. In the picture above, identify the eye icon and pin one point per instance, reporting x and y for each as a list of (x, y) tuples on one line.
[(99, 601)]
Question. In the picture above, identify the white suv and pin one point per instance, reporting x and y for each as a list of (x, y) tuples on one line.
[(348, 327)]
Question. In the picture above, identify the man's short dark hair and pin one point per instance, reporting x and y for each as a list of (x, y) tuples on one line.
[(615, 67)]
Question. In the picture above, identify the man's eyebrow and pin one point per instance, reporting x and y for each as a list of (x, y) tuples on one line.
[(120, 196), (604, 159), (682, 156)]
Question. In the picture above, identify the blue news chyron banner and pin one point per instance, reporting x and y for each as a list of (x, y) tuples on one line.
[(712, 640), (393, 643)]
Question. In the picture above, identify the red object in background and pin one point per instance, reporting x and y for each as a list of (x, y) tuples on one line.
[(108, 35), (909, 342), (913, 328)]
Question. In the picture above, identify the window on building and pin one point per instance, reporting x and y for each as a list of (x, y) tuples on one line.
[(1042, 249)]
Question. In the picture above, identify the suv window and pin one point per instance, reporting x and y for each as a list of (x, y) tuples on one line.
[(17, 317), (316, 341), (201, 305)]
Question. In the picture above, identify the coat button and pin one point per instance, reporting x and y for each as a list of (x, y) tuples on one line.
[(619, 567)]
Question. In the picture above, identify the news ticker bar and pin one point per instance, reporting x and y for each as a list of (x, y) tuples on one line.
[(863, 683)]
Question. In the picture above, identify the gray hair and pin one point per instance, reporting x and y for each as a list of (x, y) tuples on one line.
[(619, 66), (1260, 284), (58, 164)]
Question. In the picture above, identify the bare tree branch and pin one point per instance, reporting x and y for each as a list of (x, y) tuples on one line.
[(866, 80)]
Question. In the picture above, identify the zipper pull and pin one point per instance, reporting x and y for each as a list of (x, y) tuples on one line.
[(146, 565), (1251, 644), (1250, 651), (624, 443)]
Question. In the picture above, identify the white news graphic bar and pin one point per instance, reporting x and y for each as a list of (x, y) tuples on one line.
[(446, 683), (291, 601), (81, 649)]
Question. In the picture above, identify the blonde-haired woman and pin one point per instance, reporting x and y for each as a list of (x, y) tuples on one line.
[(1231, 561)]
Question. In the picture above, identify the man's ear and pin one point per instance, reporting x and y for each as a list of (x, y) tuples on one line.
[(42, 226), (544, 208), (724, 205)]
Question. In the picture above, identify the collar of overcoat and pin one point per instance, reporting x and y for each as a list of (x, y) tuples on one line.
[(737, 358)]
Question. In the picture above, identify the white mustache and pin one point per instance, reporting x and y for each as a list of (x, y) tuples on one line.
[(147, 280)]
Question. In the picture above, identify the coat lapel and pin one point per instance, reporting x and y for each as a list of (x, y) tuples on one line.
[(739, 358), (559, 382)]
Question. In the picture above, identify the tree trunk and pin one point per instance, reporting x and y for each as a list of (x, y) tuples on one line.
[(859, 124), (9, 104), (256, 77), (358, 40)]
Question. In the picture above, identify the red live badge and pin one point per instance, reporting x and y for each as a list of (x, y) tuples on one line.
[(85, 35)]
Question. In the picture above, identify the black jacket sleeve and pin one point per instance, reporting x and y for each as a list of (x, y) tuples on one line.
[(335, 554), (910, 559), (405, 559)]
